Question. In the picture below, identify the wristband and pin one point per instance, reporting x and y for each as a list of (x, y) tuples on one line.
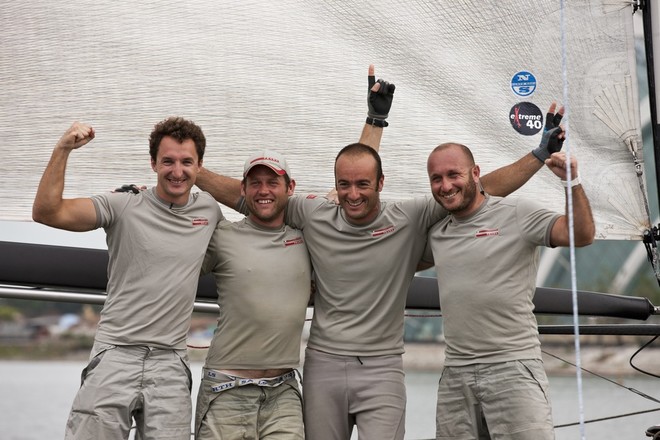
[(377, 122), (575, 182)]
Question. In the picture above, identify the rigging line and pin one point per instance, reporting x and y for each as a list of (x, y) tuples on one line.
[(632, 390), (638, 351), (603, 419), (571, 229)]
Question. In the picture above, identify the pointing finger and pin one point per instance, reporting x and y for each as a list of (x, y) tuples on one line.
[(372, 77)]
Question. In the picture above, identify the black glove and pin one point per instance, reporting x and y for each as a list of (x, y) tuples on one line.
[(379, 102), (550, 141), (128, 188)]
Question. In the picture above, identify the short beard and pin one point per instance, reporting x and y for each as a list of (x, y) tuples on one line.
[(469, 192)]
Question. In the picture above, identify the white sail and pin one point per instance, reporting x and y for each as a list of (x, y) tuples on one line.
[(291, 75)]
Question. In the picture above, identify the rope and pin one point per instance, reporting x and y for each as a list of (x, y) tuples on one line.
[(636, 353), (571, 230), (603, 419), (632, 390)]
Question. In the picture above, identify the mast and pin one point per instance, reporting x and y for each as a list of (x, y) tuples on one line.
[(651, 22), (651, 26)]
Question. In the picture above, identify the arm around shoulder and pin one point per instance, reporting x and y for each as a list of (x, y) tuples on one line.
[(225, 190)]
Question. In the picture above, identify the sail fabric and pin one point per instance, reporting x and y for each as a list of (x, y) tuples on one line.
[(291, 76)]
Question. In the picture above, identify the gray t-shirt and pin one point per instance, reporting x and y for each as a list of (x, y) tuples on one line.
[(362, 272), (487, 265), (156, 251), (263, 281)]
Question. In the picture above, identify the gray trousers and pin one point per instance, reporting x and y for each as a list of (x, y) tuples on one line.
[(340, 392)]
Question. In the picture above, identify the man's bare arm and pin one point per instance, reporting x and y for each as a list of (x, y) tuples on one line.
[(505, 180), (225, 190), (584, 228), (49, 207), (371, 135)]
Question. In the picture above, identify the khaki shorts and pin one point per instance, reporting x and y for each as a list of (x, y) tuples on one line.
[(343, 391), (248, 411), (122, 383), (503, 400)]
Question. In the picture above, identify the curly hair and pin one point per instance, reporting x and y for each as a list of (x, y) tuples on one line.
[(180, 129)]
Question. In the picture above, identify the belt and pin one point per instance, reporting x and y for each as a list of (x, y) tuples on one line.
[(235, 381)]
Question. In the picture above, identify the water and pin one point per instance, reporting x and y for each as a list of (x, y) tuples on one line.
[(35, 398)]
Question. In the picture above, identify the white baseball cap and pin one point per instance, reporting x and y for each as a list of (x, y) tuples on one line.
[(272, 159)]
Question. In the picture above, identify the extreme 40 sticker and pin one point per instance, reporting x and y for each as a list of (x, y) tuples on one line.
[(526, 118), (523, 83)]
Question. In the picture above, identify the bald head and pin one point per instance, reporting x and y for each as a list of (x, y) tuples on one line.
[(460, 147)]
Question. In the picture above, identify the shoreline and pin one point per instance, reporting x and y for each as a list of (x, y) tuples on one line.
[(604, 359)]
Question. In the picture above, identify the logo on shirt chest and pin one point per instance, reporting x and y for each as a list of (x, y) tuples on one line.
[(487, 232), (383, 231), (293, 241), (200, 221)]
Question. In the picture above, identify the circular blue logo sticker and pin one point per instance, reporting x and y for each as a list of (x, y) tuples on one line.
[(523, 83), (526, 118)]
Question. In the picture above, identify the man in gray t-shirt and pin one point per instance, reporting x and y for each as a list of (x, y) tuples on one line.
[(486, 258), (263, 276), (138, 367), (364, 252)]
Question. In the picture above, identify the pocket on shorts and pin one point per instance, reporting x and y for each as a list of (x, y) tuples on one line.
[(98, 351), (205, 398), (293, 383), (534, 369), (183, 357)]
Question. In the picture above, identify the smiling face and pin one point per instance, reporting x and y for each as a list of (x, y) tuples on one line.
[(177, 166), (454, 179), (358, 187), (266, 194)]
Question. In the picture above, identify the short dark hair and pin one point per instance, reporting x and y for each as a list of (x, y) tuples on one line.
[(358, 149), (180, 129)]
